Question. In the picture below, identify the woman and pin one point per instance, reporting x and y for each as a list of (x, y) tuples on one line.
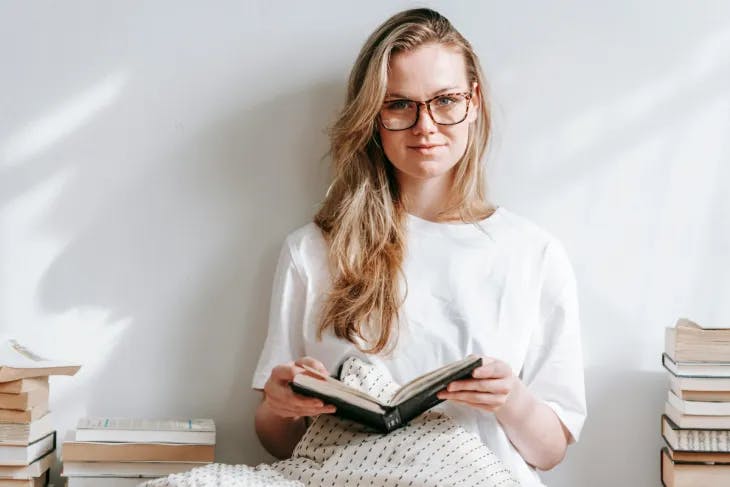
[(407, 263)]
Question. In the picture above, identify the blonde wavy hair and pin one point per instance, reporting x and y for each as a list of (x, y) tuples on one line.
[(362, 217)]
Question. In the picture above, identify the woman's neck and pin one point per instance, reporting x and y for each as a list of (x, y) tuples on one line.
[(427, 198)]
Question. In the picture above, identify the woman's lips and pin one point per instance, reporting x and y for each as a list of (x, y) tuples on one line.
[(425, 149)]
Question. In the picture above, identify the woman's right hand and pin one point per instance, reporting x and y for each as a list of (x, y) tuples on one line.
[(283, 401)]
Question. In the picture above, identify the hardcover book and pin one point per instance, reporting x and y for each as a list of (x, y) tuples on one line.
[(406, 403), (695, 440), (696, 369)]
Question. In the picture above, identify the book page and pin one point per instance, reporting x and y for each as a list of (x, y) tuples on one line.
[(335, 388), (418, 384)]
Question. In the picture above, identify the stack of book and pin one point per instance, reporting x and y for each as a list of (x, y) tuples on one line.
[(120, 452), (696, 423), (27, 434)]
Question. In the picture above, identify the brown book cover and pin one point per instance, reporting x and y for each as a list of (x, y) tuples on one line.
[(679, 456), (81, 451), (41, 481), (680, 474), (24, 400), (24, 385), (14, 416)]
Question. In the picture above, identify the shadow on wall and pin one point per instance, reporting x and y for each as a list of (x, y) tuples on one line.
[(188, 251)]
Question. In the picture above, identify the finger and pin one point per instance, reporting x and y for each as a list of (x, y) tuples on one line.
[(314, 363), (282, 394), (484, 407), (308, 411), (298, 401), (297, 412), (495, 369), (284, 372), (474, 397), (493, 386)]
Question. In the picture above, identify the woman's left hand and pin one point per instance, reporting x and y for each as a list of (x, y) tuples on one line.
[(488, 389)]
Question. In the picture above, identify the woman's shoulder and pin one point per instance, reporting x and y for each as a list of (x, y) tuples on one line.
[(522, 231), (539, 246), (307, 243)]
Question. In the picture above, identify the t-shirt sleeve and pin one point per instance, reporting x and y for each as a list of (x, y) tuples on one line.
[(284, 341), (553, 368)]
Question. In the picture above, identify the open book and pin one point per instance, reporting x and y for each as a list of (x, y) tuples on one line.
[(409, 401)]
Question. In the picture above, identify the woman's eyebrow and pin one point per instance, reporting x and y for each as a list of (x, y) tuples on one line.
[(442, 90)]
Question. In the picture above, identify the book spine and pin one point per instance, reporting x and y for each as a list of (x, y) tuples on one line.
[(392, 420)]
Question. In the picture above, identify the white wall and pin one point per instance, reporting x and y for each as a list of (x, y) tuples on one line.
[(154, 154)]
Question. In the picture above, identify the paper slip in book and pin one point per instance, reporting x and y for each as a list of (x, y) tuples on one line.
[(190, 431), (17, 362), (408, 402)]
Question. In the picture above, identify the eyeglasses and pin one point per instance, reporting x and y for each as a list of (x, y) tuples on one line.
[(446, 109)]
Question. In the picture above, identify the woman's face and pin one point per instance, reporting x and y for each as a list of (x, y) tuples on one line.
[(427, 150)]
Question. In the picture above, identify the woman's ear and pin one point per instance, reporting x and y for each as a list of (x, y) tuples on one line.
[(475, 102)]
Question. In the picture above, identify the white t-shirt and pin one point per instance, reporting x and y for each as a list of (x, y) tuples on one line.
[(501, 288)]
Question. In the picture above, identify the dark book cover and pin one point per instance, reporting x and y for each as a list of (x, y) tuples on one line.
[(396, 416)]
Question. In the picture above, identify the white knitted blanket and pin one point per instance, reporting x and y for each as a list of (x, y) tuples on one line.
[(431, 451)]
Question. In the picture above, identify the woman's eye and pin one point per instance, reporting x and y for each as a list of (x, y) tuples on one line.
[(445, 100), (399, 105)]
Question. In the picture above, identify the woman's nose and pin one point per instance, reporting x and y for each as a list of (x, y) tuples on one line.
[(424, 123)]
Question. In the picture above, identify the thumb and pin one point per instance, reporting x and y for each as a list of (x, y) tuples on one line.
[(313, 363)]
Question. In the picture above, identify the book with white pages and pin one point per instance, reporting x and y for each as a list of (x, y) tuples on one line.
[(408, 402), (106, 481), (704, 408), (696, 421), (25, 433), (35, 469), (696, 369), (713, 389), (190, 431), (126, 469), (18, 362), (25, 455)]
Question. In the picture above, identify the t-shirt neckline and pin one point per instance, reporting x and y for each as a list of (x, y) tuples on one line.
[(454, 228)]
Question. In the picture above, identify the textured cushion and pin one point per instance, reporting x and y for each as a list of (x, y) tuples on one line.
[(433, 450)]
